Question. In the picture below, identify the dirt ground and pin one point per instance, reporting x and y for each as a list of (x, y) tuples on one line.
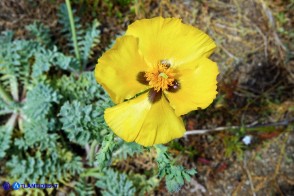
[(256, 86), (264, 170)]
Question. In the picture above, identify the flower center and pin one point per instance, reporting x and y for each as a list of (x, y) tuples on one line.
[(161, 77)]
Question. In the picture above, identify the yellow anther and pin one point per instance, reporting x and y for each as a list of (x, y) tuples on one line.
[(160, 77)]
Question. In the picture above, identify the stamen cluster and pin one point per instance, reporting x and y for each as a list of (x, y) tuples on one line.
[(161, 76)]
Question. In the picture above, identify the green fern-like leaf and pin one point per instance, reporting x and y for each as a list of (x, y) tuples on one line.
[(39, 101), (87, 38), (114, 183), (90, 40), (10, 66), (5, 136), (65, 62), (72, 118), (83, 188), (126, 149), (82, 123), (43, 59), (6, 37), (4, 107), (40, 33), (144, 185), (66, 28), (83, 88), (43, 168), (104, 156), (41, 127), (175, 175), (15, 62)]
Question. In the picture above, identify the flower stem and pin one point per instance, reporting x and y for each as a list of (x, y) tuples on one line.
[(73, 29)]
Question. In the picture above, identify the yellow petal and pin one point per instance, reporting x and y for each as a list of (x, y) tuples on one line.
[(118, 68), (169, 38), (197, 86), (145, 123)]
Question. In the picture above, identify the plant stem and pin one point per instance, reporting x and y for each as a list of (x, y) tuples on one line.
[(92, 151), (67, 184), (93, 172), (5, 96), (73, 30), (14, 88), (248, 127), (11, 122)]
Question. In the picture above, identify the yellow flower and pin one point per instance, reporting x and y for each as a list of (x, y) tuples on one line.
[(158, 71)]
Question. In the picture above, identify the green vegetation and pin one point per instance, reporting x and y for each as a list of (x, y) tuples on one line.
[(54, 121), (52, 128)]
